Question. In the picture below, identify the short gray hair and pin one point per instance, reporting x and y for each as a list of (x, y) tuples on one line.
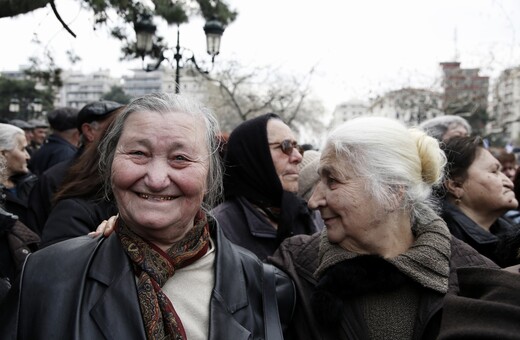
[(7, 136), (392, 159), (438, 126), (166, 103)]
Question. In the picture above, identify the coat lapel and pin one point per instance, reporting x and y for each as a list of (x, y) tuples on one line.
[(116, 311), (229, 294)]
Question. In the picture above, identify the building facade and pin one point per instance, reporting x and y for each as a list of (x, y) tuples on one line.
[(409, 105), (348, 110), (504, 108), (80, 89), (465, 91)]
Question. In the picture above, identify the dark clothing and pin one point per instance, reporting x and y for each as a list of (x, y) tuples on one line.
[(16, 200), (55, 150), (244, 225), (93, 287), (250, 174), (485, 242), (487, 306), (16, 242), (40, 199), (299, 257), (73, 217)]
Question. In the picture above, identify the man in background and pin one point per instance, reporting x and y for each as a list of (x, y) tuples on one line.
[(63, 142), (91, 121)]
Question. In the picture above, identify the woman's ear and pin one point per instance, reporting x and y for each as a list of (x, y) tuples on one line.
[(454, 187)]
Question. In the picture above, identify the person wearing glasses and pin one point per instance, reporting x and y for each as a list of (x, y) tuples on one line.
[(261, 207)]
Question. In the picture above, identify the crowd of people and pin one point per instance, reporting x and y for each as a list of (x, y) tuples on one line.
[(145, 221)]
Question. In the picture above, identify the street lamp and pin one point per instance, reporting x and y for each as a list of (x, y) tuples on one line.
[(35, 106), (214, 30), (145, 30), (14, 105)]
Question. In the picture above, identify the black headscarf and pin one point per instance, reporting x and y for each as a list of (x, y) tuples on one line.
[(250, 173)]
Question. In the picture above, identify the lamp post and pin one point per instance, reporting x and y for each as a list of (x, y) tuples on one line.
[(14, 105), (145, 30), (33, 107)]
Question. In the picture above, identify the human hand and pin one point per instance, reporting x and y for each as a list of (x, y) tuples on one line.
[(105, 228)]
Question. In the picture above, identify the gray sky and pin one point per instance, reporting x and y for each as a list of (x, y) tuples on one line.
[(360, 48)]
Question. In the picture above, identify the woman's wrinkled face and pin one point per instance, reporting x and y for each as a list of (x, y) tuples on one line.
[(286, 166), (16, 159), (159, 174), (486, 188), (345, 204)]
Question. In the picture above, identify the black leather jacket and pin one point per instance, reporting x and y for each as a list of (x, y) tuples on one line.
[(88, 291)]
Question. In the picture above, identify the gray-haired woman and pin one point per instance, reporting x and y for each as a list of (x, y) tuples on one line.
[(167, 271), (386, 260)]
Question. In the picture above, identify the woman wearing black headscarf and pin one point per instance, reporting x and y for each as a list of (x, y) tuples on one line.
[(261, 208)]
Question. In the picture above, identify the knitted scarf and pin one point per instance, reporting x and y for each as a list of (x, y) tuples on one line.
[(153, 267), (426, 261)]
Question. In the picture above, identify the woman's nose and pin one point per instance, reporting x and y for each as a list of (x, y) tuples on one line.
[(318, 198)]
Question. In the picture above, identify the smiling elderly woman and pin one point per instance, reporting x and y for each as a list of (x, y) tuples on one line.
[(386, 260), (167, 272)]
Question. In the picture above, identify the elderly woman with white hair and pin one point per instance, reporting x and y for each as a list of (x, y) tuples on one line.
[(18, 180), (16, 242), (385, 262)]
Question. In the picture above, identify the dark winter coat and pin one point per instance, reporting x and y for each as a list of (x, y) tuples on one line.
[(244, 225), (55, 150), (73, 217), (487, 243), (298, 256), (17, 203), (16, 242), (89, 292), (40, 199), (487, 306)]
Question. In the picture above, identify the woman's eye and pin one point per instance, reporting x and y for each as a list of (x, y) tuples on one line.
[(136, 153), (331, 181), (180, 158)]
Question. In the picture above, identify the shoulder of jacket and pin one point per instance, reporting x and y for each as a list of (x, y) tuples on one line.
[(66, 255), (463, 255)]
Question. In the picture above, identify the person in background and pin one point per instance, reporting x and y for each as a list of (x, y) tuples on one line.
[(509, 167), (91, 122), (63, 142), (508, 162), (28, 129), (443, 128), (386, 261), (19, 181), (308, 174), (16, 243), (167, 272), (476, 196), (80, 204), (40, 134), (261, 207)]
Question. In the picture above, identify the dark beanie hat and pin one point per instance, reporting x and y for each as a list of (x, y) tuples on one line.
[(96, 111), (63, 118)]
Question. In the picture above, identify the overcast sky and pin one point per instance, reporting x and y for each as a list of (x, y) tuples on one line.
[(360, 48)]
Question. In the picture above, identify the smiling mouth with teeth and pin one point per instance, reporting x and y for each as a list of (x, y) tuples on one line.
[(156, 198)]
